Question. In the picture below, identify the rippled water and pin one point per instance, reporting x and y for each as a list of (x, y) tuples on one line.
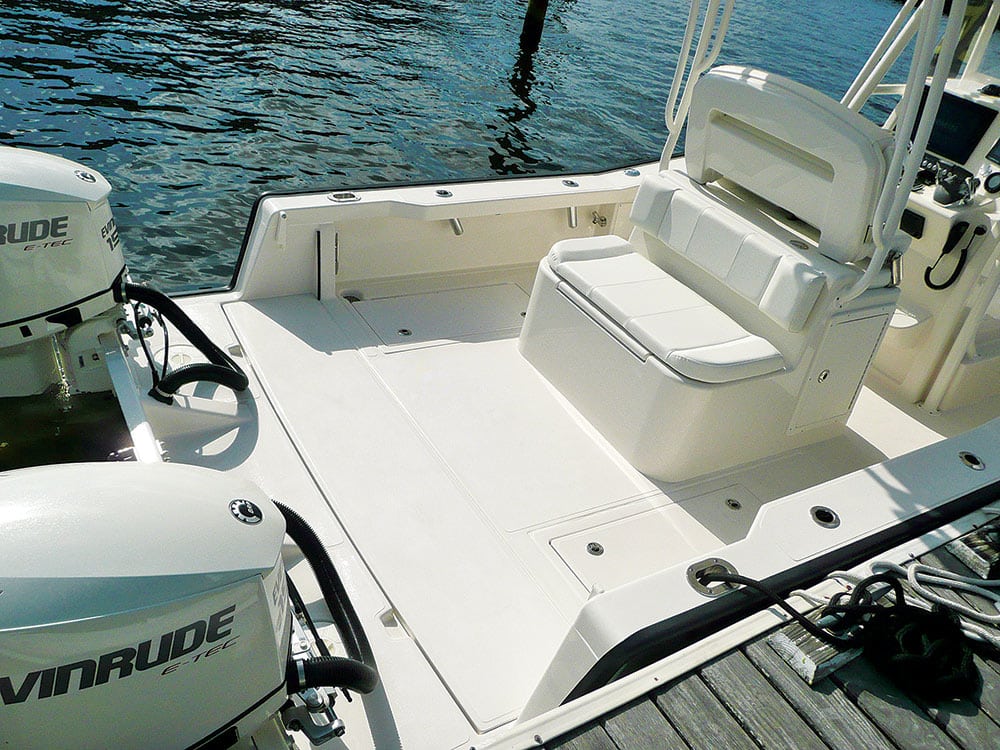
[(192, 110)]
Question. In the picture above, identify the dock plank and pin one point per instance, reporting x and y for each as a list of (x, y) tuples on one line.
[(989, 662), (987, 657), (968, 717), (759, 707), (942, 558), (989, 696), (642, 726), (700, 718), (590, 737), (891, 710), (823, 706), (971, 722), (965, 723)]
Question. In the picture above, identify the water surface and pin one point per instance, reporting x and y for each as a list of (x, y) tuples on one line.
[(191, 110)]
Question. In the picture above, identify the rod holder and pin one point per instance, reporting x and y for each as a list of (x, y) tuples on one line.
[(456, 227), (574, 220)]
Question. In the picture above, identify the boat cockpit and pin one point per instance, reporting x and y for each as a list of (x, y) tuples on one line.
[(525, 417)]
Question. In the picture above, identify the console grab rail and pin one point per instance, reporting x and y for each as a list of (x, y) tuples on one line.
[(906, 158)]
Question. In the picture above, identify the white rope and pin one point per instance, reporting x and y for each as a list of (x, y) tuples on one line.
[(920, 577), (812, 599)]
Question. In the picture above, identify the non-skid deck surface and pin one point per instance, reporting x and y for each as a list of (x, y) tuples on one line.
[(484, 625), (750, 698), (472, 489)]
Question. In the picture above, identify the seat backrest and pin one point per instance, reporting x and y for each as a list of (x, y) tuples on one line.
[(794, 147), (763, 268)]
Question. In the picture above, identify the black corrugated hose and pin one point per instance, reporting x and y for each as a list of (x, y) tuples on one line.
[(357, 672), (330, 671), (220, 367)]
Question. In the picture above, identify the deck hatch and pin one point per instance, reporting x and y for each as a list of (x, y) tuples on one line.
[(454, 314)]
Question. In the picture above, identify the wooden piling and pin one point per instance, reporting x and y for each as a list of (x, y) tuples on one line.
[(534, 20)]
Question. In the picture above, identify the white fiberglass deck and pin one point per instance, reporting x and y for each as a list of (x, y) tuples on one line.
[(483, 504)]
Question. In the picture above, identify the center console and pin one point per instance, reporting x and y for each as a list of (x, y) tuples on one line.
[(941, 341)]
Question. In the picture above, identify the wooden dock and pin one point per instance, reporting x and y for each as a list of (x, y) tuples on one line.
[(749, 698)]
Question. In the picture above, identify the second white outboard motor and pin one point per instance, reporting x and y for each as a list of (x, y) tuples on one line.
[(61, 264), (63, 282)]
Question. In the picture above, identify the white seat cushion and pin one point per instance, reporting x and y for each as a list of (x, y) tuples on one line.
[(622, 302), (719, 363), (665, 317), (692, 327), (791, 293), (585, 275)]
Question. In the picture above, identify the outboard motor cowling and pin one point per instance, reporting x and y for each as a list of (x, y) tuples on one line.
[(61, 260), (143, 605)]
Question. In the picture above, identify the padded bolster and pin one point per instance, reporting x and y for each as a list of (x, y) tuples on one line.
[(791, 293), (794, 147), (665, 317), (587, 248), (782, 282), (719, 363)]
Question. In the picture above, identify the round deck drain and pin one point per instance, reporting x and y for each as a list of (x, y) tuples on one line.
[(971, 460), (595, 548), (825, 517)]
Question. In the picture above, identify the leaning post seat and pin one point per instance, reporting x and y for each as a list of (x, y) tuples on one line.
[(715, 335)]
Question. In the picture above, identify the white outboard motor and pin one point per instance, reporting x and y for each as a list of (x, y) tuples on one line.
[(61, 264), (142, 605)]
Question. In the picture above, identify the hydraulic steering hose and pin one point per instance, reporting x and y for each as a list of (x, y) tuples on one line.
[(356, 672), (220, 367), (330, 671)]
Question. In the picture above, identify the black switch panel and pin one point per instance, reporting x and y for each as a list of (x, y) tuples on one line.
[(912, 223)]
